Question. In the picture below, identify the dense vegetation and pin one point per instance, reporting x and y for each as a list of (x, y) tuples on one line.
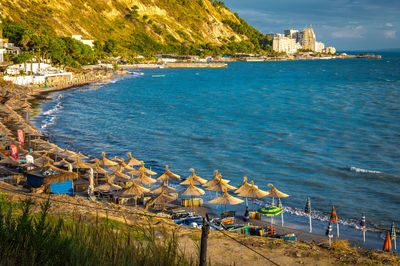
[(41, 239), (188, 27)]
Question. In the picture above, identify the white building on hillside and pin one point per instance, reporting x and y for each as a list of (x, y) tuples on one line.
[(87, 42)]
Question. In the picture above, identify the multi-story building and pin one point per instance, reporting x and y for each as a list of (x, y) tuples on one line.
[(87, 42), (281, 43), (319, 47), (330, 50), (308, 39), (294, 34)]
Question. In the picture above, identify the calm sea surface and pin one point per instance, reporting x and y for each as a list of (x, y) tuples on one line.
[(328, 129)]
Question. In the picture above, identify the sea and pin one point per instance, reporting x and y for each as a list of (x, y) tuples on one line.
[(324, 129)]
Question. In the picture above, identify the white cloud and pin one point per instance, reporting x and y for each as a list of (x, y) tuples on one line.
[(389, 24), (390, 34), (347, 32)]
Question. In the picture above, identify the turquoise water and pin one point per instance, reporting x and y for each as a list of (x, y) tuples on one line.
[(328, 129)]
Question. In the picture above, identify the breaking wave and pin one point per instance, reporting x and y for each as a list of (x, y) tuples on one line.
[(360, 170)]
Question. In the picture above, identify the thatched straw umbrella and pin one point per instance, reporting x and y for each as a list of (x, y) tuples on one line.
[(161, 199), (134, 191), (194, 179), (9, 161), (219, 185), (243, 187), (145, 170), (191, 190), (122, 167), (41, 161), (163, 187), (104, 162), (107, 187), (119, 177), (274, 193), (226, 199), (69, 155), (144, 180), (79, 165), (253, 192), (78, 155), (168, 175), (62, 163), (215, 179), (132, 161)]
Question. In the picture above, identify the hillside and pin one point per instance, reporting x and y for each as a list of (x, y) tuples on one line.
[(165, 21)]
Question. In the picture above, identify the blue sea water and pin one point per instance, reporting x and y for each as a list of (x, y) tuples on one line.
[(328, 129)]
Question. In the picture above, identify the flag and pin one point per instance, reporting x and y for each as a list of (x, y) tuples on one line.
[(21, 137), (333, 215), (14, 152)]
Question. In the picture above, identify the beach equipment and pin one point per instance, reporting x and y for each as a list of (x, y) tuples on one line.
[(69, 155), (194, 179), (219, 185), (107, 187), (168, 175), (145, 170), (122, 167), (270, 211), (253, 192), (9, 161), (117, 176), (243, 186), (387, 245), (132, 161), (104, 162), (329, 234), (161, 199), (307, 210), (134, 191), (62, 163), (191, 190), (79, 165), (363, 226), (334, 219), (163, 187), (215, 180), (275, 193), (393, 235), (226, 199), (144, 180)]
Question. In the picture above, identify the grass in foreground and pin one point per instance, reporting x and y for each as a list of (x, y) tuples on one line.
[(43, 239)]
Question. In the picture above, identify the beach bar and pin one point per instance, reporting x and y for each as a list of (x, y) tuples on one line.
[(51, 179)]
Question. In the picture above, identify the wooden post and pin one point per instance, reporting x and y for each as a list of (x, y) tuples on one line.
[(205, 230)]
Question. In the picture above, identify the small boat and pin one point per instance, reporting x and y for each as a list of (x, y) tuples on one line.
[(158, 76)]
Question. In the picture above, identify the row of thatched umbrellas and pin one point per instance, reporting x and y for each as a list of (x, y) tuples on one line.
[(121, 171), (135, 186)]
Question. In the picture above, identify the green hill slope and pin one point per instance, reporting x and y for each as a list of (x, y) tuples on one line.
[(129, 27)]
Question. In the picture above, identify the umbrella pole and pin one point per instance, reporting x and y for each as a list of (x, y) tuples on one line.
[(282, 217), (252, 204), (310, 223), (364, 236), (337, 226), (246, 203), (395, 247)]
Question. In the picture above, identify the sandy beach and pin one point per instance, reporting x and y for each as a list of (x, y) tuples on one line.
[(310, 249)]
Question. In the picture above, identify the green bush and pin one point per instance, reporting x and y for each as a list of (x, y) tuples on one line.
[(42, 239)]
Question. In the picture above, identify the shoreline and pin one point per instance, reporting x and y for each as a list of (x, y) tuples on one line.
[(39, 95), (308, 236)]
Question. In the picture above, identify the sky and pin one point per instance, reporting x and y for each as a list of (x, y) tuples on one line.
[(344, 24)]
